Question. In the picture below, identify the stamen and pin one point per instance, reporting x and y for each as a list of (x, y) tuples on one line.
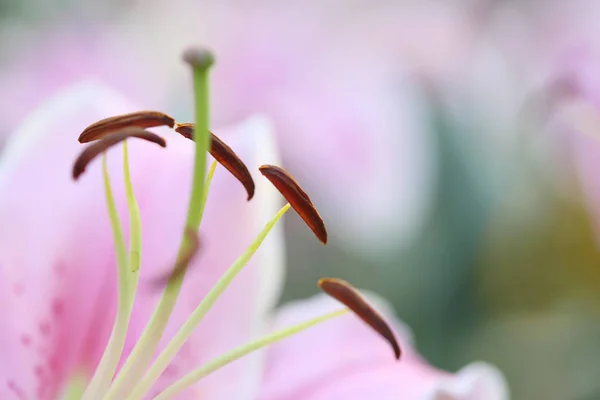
[(128, 277), (293, 193), (209, 178), (135, 219), (104, 372), (240, 352), (140, 119), (99, 147), (163, 360), (350, 297), (186, 129), (224, 155)]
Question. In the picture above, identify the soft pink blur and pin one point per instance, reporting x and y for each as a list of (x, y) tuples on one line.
[(344, 359), (337, 79), (555, 48)]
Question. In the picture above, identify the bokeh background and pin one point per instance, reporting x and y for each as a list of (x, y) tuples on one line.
[(450, 145)]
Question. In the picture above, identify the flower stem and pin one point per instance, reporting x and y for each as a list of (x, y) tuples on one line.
[(110, 359), (241, 351), (144, 349), (165, 357)]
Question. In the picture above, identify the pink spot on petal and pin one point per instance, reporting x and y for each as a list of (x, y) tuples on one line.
[(45, 328), (60, 269), (16, 389), (58, 307), (170, 371), (43, 352), (26, 340), (39, 371), (41, 391), (53, 364), (18, 289)]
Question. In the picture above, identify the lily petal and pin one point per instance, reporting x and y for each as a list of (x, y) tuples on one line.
[(56, 254), (342, 358)]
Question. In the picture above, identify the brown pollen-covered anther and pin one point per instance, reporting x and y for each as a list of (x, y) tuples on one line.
[(140, 119), (298, 199), (346, 294), (109, 140), (224, 155)]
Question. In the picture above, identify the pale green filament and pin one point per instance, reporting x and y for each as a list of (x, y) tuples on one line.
[(198, 314), (240, 352), (75, 388), (144, 349), (209, 178), (135, 221), (110, 359)]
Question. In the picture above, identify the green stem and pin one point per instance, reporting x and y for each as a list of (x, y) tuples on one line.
[(144, 349), (241, 351), (106, 368), (166, 356)]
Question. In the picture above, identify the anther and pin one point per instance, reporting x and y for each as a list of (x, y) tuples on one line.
[(107, 141), (140, 119), (351, 298), (225, 156), (298, 199)]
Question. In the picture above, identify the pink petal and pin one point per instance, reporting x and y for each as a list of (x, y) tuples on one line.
[(47, 61), (343, 358), (356, 138), (56, 257)]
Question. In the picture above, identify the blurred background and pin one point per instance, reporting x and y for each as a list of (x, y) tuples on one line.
[(451, 146)]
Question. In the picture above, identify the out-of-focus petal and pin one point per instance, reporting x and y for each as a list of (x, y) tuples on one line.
[(46, 61), (343, 358), (357, 137), (56, 253)]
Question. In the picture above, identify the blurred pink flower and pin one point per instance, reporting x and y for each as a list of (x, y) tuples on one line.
[(555, 48), (331, 83), (343, 360), (57, 264)]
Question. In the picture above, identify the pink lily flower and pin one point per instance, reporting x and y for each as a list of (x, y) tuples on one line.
[(57, 259)]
